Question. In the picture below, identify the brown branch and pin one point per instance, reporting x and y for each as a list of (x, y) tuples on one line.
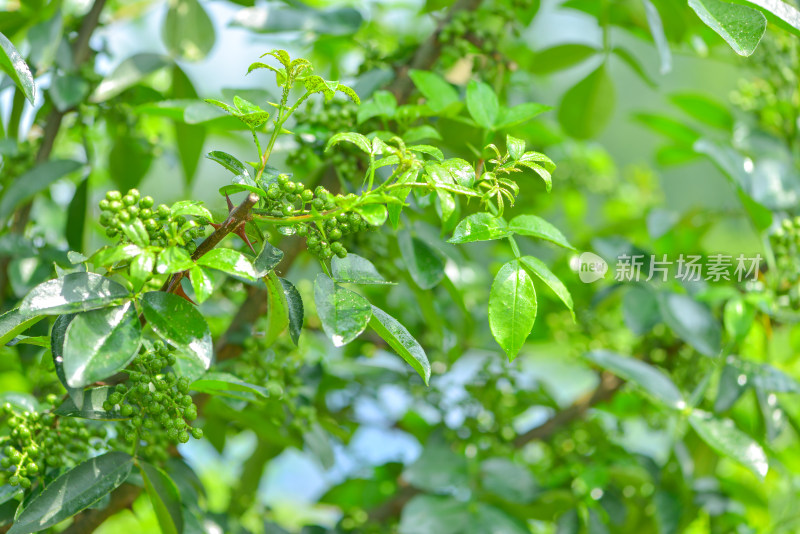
[(427, 53), (609, 384), (238, 216), (89, 520)]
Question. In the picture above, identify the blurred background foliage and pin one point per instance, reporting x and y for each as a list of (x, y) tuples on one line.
[(668, 140)]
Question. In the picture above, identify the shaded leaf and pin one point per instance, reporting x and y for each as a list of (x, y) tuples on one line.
[(78, 488), (722, 436), (399, 338), (74, 292), (649, 378), (99, 343), (343, 313)]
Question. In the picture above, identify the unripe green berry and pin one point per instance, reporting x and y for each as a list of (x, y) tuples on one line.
[(128, 200), (126, 410), (113, 195), (197, 433), (25, 482), (183, 437), (104, 204), (146, 202)]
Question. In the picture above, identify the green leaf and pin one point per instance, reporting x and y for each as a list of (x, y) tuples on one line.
[(91, 406), (78, 488), (508, 480), (374, 214), (675, 130), (229, 162), (76, 215), (480, 226), (438, 469), (14, 322), (13, 64), (433, 514), (188, 32), (357, 139), (657, 31), (294, 303), (519, 114), (691, 321), (34, 181), (649, 378), (128, 73), (438, 93), (742, 27), (202, 283), (398, 337), (190, 207), (722, 436), (215, 383), (74, 292), (178, 322), (99, 343), (538, 267), (129, 160), (534, 226), (141, 269), (343, 313), (704, 109), (512, 307), (482, 104), (164, 496), (634, 64), (57, 336), (516, 147), (738, 317), (588, 106), (277, 308), (424, 263), (780, 13), (640, 310), (228, 261), (353, 269), (267, 259), (108, 256), (560, 57), (173, 260)]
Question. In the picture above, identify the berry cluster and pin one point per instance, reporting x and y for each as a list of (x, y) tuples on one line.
[(286, 198), (786, 245), (281, 371), (314, 129), (131, 215), (38, 440), (156, 400)]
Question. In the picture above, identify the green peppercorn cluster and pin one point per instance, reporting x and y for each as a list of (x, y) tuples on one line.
[(130, 214), (40, 440), (279, 369), (286, 198), (315, 127), (786, 245), (156, 400), (478, 31)]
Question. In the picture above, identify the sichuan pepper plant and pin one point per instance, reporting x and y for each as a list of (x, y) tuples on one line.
[(129, 343)]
